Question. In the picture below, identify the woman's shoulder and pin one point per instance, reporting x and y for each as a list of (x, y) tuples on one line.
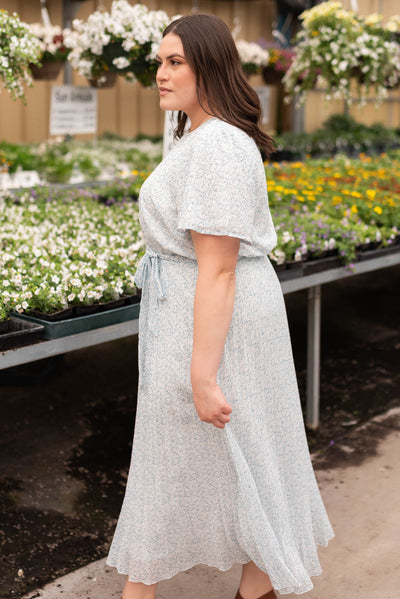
[(223, 136), (217, 126)]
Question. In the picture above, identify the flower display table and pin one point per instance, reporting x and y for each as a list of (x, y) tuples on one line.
[(311, 282), (62, 345)]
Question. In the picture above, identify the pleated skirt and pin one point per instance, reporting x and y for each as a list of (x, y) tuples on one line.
[(200, 495)]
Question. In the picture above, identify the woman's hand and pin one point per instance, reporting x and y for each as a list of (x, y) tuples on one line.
[(211, 405)]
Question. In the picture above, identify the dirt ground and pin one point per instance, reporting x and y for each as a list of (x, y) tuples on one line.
[(66, 427)]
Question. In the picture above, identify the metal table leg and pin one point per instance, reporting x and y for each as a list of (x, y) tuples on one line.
[(313, 356)]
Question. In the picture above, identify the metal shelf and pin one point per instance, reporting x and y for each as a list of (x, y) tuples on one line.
[(46, 349), (312, 282)]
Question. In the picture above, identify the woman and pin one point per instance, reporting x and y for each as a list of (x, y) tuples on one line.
[(220, 470)]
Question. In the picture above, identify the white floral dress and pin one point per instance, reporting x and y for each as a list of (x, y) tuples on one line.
[(195, 493)]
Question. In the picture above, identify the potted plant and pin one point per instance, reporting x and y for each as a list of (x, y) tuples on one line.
[(52, 48), (382, 39), (393, 26), (279, 62), (18, 49), (123, 42), (334, 48), (252, 56)]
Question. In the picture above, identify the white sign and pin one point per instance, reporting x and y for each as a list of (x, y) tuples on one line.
[(73, 110), (19, 179)]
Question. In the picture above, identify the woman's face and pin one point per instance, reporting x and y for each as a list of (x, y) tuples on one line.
[(175, 79)]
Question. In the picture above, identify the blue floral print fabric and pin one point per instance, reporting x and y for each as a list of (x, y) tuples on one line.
[(195, 493)]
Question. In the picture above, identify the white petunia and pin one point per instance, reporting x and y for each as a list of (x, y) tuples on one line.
[(121, 62)]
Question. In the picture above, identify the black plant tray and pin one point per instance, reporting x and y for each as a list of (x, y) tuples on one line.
[(81, 324), (54, 316), (85, 310), (377, 253), (20, 333), (311, 267), (293, 270)]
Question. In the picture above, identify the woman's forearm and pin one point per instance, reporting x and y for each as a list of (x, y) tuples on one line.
[(213, 307)]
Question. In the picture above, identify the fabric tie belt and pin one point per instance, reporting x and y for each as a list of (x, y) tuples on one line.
[(150, 265), (150, 270)]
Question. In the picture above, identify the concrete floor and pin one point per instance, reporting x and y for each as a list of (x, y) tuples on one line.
[(363, 502)]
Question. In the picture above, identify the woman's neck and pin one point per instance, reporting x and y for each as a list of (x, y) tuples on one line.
[(199, 117)]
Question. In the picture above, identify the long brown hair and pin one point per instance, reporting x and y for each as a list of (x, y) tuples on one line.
[(213, 57)]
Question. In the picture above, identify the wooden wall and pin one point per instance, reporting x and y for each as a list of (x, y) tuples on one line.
[(129, 109)]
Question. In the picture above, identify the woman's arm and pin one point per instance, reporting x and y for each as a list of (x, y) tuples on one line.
[(213, 307)]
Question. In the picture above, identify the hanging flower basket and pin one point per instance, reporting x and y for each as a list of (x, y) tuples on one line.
[(279, 62), (392, 86), (18, 49), (122, 62), (104, 81), (115, 51), (48, 71), (253, 57), (124, 41), (341, 48), (271, 76)]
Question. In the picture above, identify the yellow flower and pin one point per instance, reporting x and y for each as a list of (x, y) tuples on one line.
[(336, 200), (371, 193), (378, 209), (354, 209)]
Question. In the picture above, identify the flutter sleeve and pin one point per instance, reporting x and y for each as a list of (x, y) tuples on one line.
[(220, 192)]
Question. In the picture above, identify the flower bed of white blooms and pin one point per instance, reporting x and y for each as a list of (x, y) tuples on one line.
[(66, 249), (75, 161)]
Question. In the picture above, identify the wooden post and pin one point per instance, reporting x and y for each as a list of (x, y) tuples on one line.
[(70, 9)]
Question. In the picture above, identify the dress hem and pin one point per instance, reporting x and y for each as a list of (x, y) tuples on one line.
[(223, 568)]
